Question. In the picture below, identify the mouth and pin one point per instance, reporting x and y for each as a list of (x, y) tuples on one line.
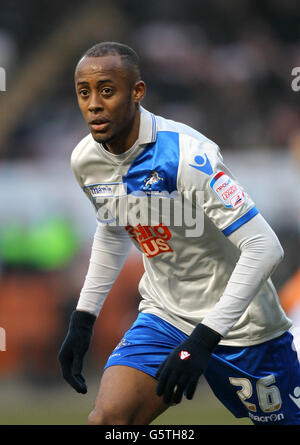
[(99, 124)]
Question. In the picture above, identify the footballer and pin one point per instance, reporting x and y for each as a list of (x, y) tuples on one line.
[(208, 306)]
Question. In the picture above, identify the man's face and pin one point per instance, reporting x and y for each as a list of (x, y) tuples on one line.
[(107, 96)]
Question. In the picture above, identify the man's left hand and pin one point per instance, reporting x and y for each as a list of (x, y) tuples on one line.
[(183, 367)]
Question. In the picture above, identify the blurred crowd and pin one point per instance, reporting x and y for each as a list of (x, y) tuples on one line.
[(223, 67)]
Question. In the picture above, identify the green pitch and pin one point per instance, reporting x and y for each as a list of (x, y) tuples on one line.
[(22, 404)]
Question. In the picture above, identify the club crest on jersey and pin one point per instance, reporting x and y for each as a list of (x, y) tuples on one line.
[(227, 190), (184, 355), (203, 164), (154, 178)]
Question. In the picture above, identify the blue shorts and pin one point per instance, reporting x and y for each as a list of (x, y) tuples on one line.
[(261, 382)]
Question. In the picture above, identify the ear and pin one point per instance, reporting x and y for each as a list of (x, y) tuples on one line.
[(139, 91)]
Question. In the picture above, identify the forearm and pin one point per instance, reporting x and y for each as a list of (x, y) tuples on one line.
[(261, 252), (109, 252)]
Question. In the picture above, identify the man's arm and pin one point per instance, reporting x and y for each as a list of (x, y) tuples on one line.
[(109, 251), (261, 252)]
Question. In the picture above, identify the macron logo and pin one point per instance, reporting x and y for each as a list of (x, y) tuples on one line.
[(184, 355), (296, 397), (203, 164)]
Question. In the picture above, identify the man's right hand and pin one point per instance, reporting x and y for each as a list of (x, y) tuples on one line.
[(74, 347)]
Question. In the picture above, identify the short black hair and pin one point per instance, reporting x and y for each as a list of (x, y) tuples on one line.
[(128, 56)]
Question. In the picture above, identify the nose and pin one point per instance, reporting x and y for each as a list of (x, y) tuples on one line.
[(95, 103)]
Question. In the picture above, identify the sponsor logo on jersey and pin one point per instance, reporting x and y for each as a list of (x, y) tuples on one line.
[(151, 240), (227, 190), (238, 200), (154, 178), (115, 189), (184, 355), (203, 164)]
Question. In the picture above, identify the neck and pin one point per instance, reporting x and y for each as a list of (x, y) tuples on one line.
[(126, 139)]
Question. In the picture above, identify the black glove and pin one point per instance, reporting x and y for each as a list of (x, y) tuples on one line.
[(184, 365), (74, 348)]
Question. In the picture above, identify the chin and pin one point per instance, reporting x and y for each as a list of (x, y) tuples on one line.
[(100, 138)]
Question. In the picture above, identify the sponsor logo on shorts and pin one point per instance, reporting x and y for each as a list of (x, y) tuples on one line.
[(296, 396), (184, 355), (123, 342), (265, 419)]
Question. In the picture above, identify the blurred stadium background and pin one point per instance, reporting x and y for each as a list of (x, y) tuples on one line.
[(223, 67)]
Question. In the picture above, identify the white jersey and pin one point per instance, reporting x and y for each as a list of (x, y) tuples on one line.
[(186, 267)]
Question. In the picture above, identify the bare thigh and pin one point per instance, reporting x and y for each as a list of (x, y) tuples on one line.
[(126, 397)]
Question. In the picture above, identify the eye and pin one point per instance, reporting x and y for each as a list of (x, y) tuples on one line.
[(107, 91), (83, 93)]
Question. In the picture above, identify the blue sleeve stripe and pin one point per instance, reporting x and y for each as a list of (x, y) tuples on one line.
[(239, 222)]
